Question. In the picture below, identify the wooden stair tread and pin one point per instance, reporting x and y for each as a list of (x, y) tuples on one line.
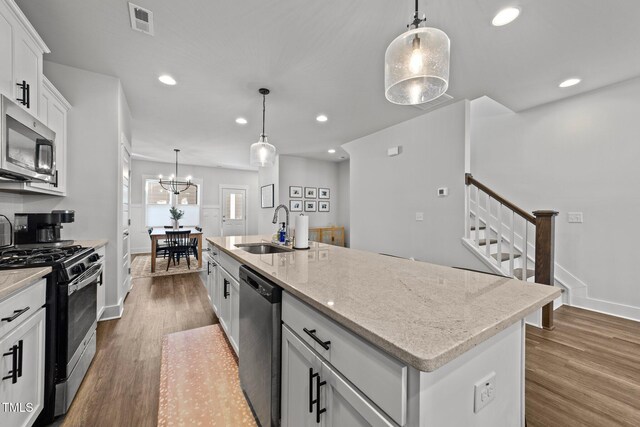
[(505, 257), (517, 272), (483, 242), (199, 383)]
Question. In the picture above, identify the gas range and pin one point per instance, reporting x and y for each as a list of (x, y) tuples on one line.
[(69, 261)]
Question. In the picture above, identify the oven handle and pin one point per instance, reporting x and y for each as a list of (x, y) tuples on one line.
[(81, 283)]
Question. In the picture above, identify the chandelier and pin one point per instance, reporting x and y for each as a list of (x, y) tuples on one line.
[(416, 64), (173, 184)]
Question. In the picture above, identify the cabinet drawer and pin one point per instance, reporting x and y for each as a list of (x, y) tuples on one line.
[(230, 264), (379, 376), (22, 306), (214, 251)]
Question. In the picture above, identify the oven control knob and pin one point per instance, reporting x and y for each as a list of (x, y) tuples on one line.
[(76, 269), (94, 258)]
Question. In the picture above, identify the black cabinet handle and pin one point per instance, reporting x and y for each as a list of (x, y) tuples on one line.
[(208, 268), (55, 184), (16, 314), (317, 401), (25, 94), (312, 334), (311, 401), (226, 288), (16, 363)]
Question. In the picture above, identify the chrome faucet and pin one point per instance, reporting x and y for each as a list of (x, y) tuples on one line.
[(286, 223)]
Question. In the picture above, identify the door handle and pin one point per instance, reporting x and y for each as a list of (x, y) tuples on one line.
[(319, 410), (226, 288), (16, 363), (16, 314)]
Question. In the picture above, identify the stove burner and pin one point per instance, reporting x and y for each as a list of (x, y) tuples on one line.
[(25, 257)]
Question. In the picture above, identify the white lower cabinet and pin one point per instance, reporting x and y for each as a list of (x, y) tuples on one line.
[(22, 370), (229, 312), (315, 394)]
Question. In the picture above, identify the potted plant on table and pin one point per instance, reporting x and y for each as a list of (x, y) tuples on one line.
[(176, 215)]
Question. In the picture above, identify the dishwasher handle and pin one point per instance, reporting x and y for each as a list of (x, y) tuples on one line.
[(258, 283)]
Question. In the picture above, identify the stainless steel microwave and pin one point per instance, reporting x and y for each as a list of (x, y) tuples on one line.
[(27, 146)]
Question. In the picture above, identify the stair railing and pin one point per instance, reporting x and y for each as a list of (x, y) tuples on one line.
[(515, 226)]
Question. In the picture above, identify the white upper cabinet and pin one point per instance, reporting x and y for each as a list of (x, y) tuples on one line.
[(22, 80)]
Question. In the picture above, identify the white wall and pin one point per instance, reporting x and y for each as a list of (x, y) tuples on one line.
[(303, 172), (266, 176), (210, 189), (386, 192), (344, 198), (576, 155), (92, 159)]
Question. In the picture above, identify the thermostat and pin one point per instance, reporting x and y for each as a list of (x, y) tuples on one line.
[(443, 192)]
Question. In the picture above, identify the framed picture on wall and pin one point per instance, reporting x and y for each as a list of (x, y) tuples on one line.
[(295, 192), (295, 205), (310, 205), (323, 206), (266, 193), (324, 193), (310, 192)]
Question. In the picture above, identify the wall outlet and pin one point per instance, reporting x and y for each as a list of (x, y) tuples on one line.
[(485, 392), (443, 192), (419, 216), (574, 217)]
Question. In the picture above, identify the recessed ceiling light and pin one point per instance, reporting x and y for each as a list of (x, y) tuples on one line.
[(505, 16), (570, 82), (241, 121), (331, 151), (167, 79), (322, 118)]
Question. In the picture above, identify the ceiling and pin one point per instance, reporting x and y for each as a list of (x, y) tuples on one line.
[(322, 57)]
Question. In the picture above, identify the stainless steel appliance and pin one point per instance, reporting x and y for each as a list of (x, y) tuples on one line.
[(36, 230), (260, 345), (70, 318), (27, 146)]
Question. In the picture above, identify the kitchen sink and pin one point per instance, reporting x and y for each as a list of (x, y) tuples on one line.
[(263, 248)]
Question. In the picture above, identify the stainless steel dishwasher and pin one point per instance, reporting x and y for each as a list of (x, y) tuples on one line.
[(260, 345)]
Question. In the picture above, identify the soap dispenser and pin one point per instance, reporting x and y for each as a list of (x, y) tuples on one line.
[(282, 234)]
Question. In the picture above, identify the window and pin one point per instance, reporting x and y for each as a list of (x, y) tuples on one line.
[(158, 201), (234, 206)]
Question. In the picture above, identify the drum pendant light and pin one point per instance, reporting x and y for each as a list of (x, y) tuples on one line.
[(416, 64), (262, 153)]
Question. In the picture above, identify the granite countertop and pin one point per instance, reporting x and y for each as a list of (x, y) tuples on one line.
[(95, 244), (13, 281), (424, 314)]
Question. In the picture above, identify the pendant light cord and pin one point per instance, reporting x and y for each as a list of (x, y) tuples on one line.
[(416, 21), (264, 102)]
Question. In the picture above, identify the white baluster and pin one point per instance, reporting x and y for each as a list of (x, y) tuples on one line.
[(499, 216), (525, 248), (467, 198), (477, 219), (512, 240), (487, 231)]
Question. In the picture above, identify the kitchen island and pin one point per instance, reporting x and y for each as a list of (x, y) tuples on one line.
[(443, 333)]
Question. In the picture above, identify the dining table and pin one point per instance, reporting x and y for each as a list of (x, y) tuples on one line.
[(161, 233)]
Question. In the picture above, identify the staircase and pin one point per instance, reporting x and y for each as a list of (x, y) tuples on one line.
[(509, 240)]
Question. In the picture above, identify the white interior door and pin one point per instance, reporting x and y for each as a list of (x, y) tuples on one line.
[(234, 211), (126, 219)]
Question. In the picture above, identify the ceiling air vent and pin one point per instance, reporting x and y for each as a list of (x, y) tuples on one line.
[(441, 101), (141, 19)]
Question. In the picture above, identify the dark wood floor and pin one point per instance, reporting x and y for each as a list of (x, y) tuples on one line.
[(122, 385), (584, 373)]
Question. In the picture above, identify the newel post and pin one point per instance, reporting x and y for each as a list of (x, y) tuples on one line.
[(545, 258)]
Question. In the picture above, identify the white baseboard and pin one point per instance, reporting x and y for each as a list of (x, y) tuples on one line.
[(112, 312), (607, 307)]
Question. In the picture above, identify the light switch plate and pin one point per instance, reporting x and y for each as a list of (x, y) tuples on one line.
[(419, 216), (484, 391), (575, 217)]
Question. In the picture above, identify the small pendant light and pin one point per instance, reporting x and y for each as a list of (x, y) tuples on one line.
[(416, 64), (262, 153)]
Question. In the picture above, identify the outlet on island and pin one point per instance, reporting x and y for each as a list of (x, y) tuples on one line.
[(485, 392)]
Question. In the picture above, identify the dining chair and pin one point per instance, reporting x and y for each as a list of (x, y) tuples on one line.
[(161, 247), (194, 243), (178, 243)]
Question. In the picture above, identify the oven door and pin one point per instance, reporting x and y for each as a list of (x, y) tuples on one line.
[(77, 307), (27, 146)]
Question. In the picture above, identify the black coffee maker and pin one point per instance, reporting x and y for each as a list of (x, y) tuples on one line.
[(33, 230)]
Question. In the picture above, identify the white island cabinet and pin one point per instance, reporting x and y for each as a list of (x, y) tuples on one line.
[(224, 288), (22, 338)]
